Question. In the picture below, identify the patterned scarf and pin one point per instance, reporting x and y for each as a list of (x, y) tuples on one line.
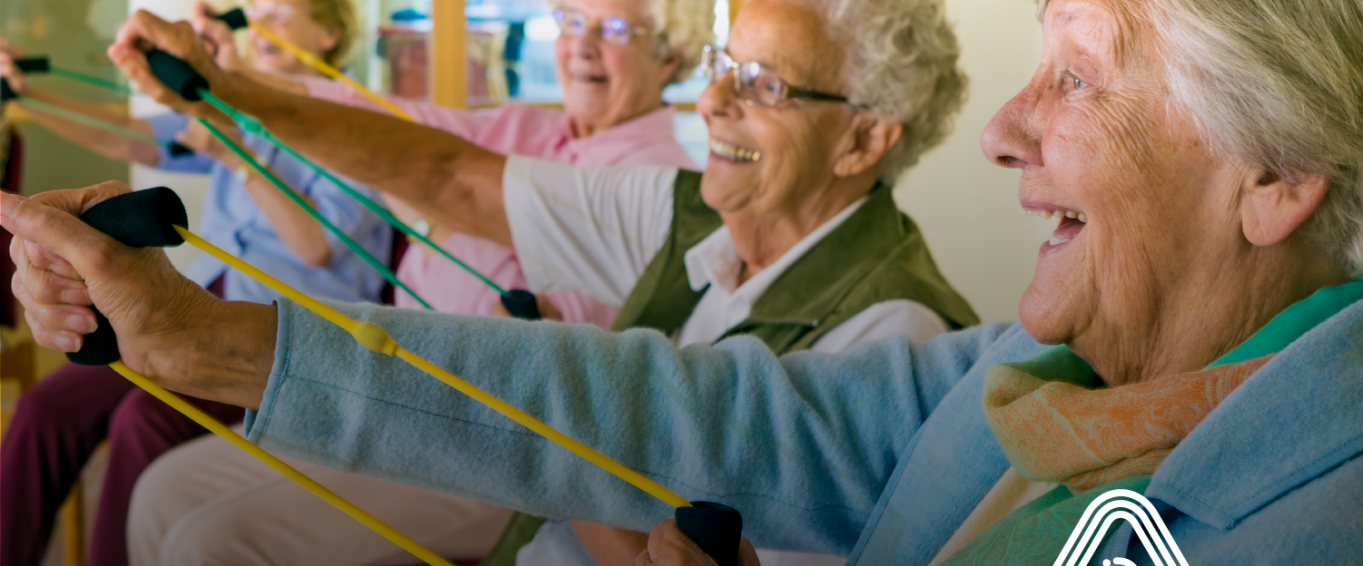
[(1065, 429)]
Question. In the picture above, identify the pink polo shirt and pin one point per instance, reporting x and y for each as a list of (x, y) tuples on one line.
[(515, 130)]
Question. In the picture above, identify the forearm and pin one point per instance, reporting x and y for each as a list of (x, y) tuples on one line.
[(722, 424), (227, 358), (107, 144), (302, 233), (458, 182)]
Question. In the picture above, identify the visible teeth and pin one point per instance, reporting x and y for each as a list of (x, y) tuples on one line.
[(1083, 218), (1048, 214), (1071, 214), (734, 152)]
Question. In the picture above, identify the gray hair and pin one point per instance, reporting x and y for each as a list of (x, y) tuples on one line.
[(1279, 84), (901, 63), (681, 29)]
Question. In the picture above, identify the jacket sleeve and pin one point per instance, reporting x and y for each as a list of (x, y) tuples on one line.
[(802, 445)]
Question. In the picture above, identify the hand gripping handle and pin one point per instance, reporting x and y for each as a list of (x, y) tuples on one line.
[(176, 74), (715, 528), (234, 18), (138, 219)]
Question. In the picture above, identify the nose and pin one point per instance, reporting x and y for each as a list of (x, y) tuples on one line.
[(1011, 138), (584, 46), (719, 100)]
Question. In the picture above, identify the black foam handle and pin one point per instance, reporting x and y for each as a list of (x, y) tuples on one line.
[(34, 64), (177, 74), (234, 18), (138, 219), (521, 304), (178, 149), (715, 528), (6, 92)]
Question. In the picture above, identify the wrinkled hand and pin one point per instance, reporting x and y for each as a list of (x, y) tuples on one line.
[(8, 70), (216, 35), (199, 139), (144, 31), (667, 546), (62, 266)]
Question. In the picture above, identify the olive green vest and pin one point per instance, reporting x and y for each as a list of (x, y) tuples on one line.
[(876, 255)]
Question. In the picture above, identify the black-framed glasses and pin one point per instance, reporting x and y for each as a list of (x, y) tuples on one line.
[(619, 31), (757, 84)]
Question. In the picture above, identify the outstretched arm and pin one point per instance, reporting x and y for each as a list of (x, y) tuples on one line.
[(457, 181)]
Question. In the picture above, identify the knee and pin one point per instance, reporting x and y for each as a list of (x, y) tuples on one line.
[(209, 539), (41, 407)]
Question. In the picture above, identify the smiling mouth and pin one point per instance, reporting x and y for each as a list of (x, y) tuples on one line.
[(588, 78), (733, 152), (1070, 224)]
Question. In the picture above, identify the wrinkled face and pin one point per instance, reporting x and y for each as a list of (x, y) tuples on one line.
[(605, 83), (765, 159), (291, 20), (1141, 206)]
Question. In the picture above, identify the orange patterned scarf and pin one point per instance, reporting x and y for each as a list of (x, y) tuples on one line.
[(1066, 428)]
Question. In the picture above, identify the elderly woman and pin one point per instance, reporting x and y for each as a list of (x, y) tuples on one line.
[(1192, 334), (199, 504), (791, 235), (60, 423)]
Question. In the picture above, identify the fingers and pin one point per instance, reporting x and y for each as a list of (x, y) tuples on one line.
[(47, 284), (144, 31), (51, 224), (668, 546), (59, 327), (17, 79)]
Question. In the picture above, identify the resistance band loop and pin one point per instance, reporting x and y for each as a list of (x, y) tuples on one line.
[(252, 126), (174, 148), (312, 61), (375, 338), (208, 422)]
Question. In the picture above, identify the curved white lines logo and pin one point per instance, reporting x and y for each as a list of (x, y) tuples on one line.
[(1106, 510)]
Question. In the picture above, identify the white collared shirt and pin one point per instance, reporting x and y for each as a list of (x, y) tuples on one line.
[(596, 229)]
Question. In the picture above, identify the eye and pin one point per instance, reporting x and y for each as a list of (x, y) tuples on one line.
[(1072, 82)]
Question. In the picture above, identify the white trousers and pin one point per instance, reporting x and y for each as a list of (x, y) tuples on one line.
[(210, 503)]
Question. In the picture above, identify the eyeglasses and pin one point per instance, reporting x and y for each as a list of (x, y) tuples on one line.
[(263, 11), (756, 84), (611, 30)]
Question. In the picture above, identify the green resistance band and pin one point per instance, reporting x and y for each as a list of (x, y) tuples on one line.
[(240, 152), (99, 124), (293, 195), (252, 126)]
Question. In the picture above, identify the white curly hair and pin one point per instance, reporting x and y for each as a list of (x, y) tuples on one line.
[(901, 61)]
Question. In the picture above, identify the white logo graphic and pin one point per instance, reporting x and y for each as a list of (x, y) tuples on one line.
[(1106, 510)]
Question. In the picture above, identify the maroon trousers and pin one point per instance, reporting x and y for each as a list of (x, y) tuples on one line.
[(56, 427)]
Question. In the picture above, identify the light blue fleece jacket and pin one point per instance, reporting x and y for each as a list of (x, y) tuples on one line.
[(881, 451)]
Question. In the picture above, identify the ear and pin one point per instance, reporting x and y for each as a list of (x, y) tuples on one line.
[(1273, 206), (871, 138), (330, 38)]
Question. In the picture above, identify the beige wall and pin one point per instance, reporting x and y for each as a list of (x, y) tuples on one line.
[(967, 207)]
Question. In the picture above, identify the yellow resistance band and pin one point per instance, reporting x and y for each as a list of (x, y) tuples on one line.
[(312, 61), (270, 460), (378, 340)]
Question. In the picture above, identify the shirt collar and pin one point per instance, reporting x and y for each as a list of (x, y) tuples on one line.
[(1295, 419), (715, 260)]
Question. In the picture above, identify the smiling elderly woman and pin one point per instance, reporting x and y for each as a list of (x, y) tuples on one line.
[(1203, 315)]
